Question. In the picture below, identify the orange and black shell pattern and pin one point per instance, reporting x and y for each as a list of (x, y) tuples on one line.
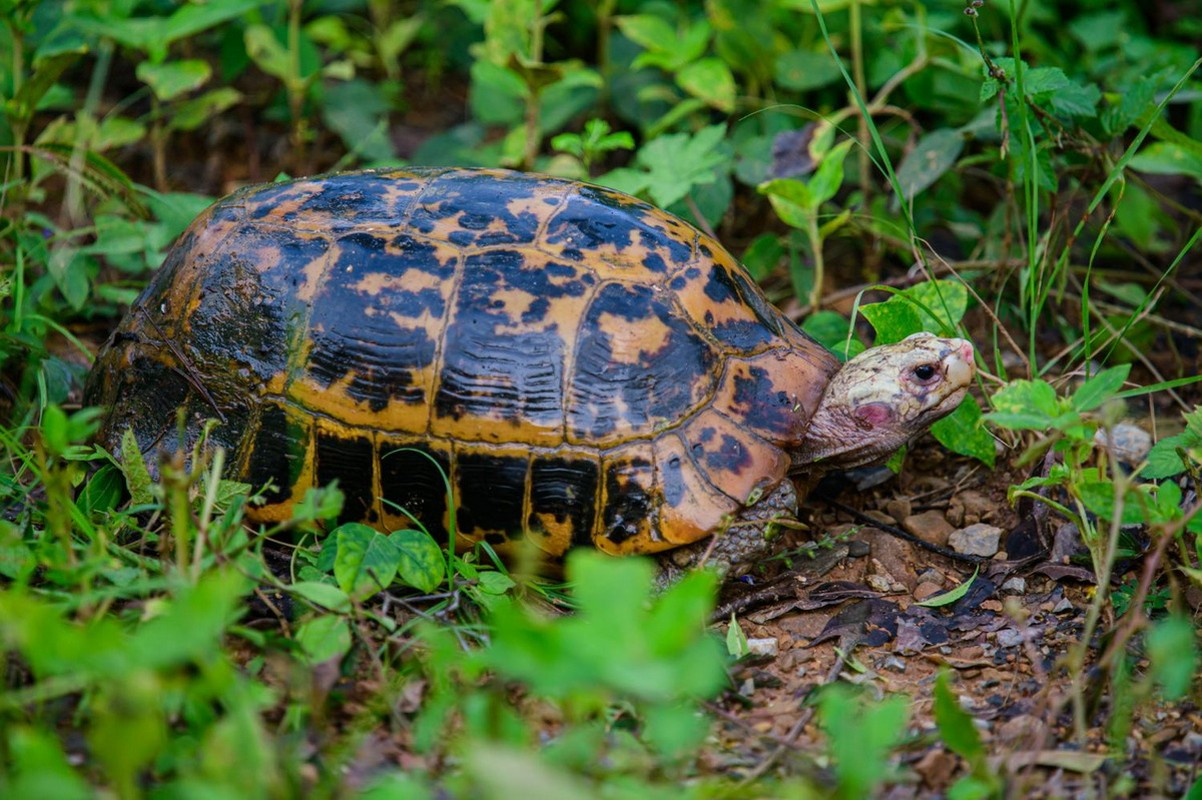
[(583, 367)]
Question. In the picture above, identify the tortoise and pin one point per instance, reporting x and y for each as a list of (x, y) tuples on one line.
[(583, 367)]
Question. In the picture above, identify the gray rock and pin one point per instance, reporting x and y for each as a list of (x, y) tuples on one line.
[(977, 540)]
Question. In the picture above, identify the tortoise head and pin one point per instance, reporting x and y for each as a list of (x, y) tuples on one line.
[(884, 397)]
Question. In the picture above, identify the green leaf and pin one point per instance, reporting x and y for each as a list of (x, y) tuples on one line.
[(1043, 80), (803, 70), (933, 155), (1098, 497), (1025, 405), (893, 320), (325, 595), (1163, 460), (493, 582), (422, 563), (710, 80), (956, 726), (861, 736), (736, 640), (1076, 100), (102, 492), (962, 432), (357, 111), (1173, 653), (324, 638), (191, 114), (203, 612), (55, 434), (365, 561), (133, 465), (1099, 388), (40, 767), (647, 31), (675, 730), (174, 78), (830, 329), (69, 268), (192, 18), (675, 164), (266, 50), (1164, 158), (498, 95), (826, 181), (791, 200), (949, 597)]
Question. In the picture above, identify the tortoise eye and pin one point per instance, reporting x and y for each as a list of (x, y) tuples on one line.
[(924, 372)]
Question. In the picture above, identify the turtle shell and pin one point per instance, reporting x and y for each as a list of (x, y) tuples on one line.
[(582, 367)]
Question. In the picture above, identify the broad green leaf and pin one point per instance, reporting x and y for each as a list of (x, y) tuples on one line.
[(498, 95), (791, 200), (1163, 459), (203, 612), (493, 582), (192, 18), (803, 70), (266, 50), (941, 304), (1076, 100), (935, 154), (893, 320), (710, 80), (325, 595), (1025, 405), (1098, 497), (736, 640), (949, 597), (69, 268), (861, 736), (962, 432), (1099, 388), (675, 164), (675, 730), (324, 637), (133, 465), (647, 30), (956, 727), (825, 182), (174, 78), (1042, 80), (365, 561), (1164, 158), (422, 563), (357, 111), (55, 433), (1173, 653), (191, 114), (102, 492), (830, 328), (40, 767)]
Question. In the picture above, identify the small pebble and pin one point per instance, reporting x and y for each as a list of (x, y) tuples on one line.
[(925, 590), (1015, 585), (930, 526), (978, 540), (858, 548), (1063, 606), (1009, 637), (767, 646), (1129, 442), (894, 663)]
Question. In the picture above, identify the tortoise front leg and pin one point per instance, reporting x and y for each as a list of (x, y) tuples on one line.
[(737, 547)]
